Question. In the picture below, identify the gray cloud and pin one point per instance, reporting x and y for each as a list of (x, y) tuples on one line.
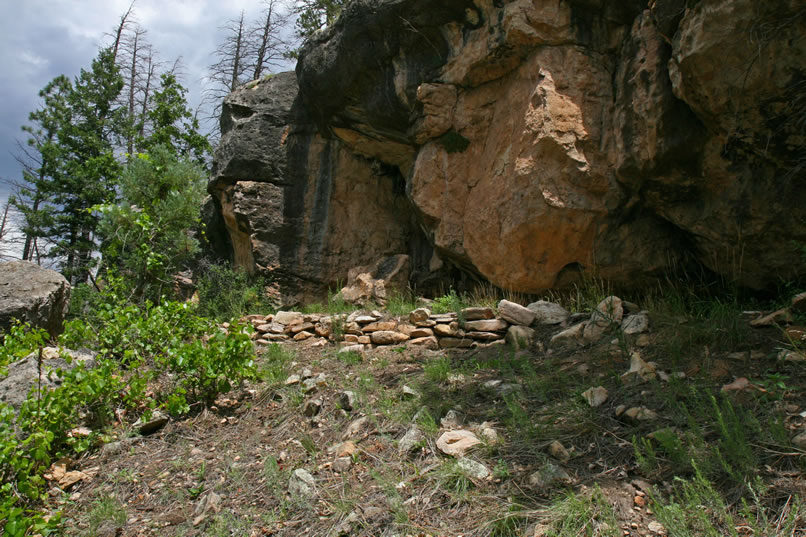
[(40, 39)]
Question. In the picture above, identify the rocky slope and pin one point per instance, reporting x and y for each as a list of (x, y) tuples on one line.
[(526, 142)]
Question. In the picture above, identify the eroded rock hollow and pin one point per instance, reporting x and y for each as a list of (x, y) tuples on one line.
[(525, 142)]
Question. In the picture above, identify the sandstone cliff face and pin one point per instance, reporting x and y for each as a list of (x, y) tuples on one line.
[(527, 141)]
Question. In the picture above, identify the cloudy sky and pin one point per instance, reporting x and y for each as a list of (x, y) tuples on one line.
[(40, 39)]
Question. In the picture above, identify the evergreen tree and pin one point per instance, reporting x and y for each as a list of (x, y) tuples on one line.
[(314, 15), (174, 125), (41, 163), (86, 171)]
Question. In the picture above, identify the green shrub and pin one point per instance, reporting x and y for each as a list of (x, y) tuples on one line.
[(20, 341), (226, 293), (449, 303)]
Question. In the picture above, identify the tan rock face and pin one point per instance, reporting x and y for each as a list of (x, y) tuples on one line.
[(529, 142)]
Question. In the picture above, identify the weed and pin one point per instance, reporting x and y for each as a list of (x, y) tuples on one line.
[(106, 512), (350, 357), (448, 303), (578, 514), (437, 370), (227, 293), (401, 303), (455, 480), (309, 444), (273, 367), (510, 524)]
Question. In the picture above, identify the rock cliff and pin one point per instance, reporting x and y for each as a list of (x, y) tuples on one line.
[(526, 142)]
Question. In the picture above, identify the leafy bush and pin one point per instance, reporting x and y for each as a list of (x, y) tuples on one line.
[(166, 351), (226, 293)]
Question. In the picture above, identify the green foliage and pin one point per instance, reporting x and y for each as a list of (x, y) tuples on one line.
[(696, 507), (714, 436), (449, 303), (313, 15), (82, 164), (578, 515), (147, 236), (174, 126), (350, 357), (453, 142), (18, 342), (227, 293), (437, 369)]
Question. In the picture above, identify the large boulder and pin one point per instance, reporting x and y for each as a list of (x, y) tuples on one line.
[(28, 373), (528, 143), (33, 294)]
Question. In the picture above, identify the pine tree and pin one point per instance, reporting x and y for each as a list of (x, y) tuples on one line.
[(87, 171), (173, 125)]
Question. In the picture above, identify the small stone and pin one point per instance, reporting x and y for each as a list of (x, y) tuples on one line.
[(302, 327), (147, 427), (489, 434), (342, 464), (548, 476), (455, 443), (620, 410), (425, 342), (738, 385), (302, 336), (301, 483), (475, 314), (411, 440), (487, 325), (558, 451), (379, 326), (388, 337), (306, 373), (350, 338), (595, 396), (639, 369), (421, 333), (292, 380), (608, 311), (351, 348), (365, 319), (419, 315), (410, 392), (656, 527), (798, 303), (799, 441), (455, 343), (472, 468), (451, 420), (312, 408), (640, 413), (515, 313), (640, 501), (484, 336), (448, 330), (548, 313), (570, 337), (787, 355), (635, 324), (520, 337), (347, 400), (364, 340), (288, 318)]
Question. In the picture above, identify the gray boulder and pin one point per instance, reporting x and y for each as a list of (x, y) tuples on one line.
[(23, 374), (34, 294)]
